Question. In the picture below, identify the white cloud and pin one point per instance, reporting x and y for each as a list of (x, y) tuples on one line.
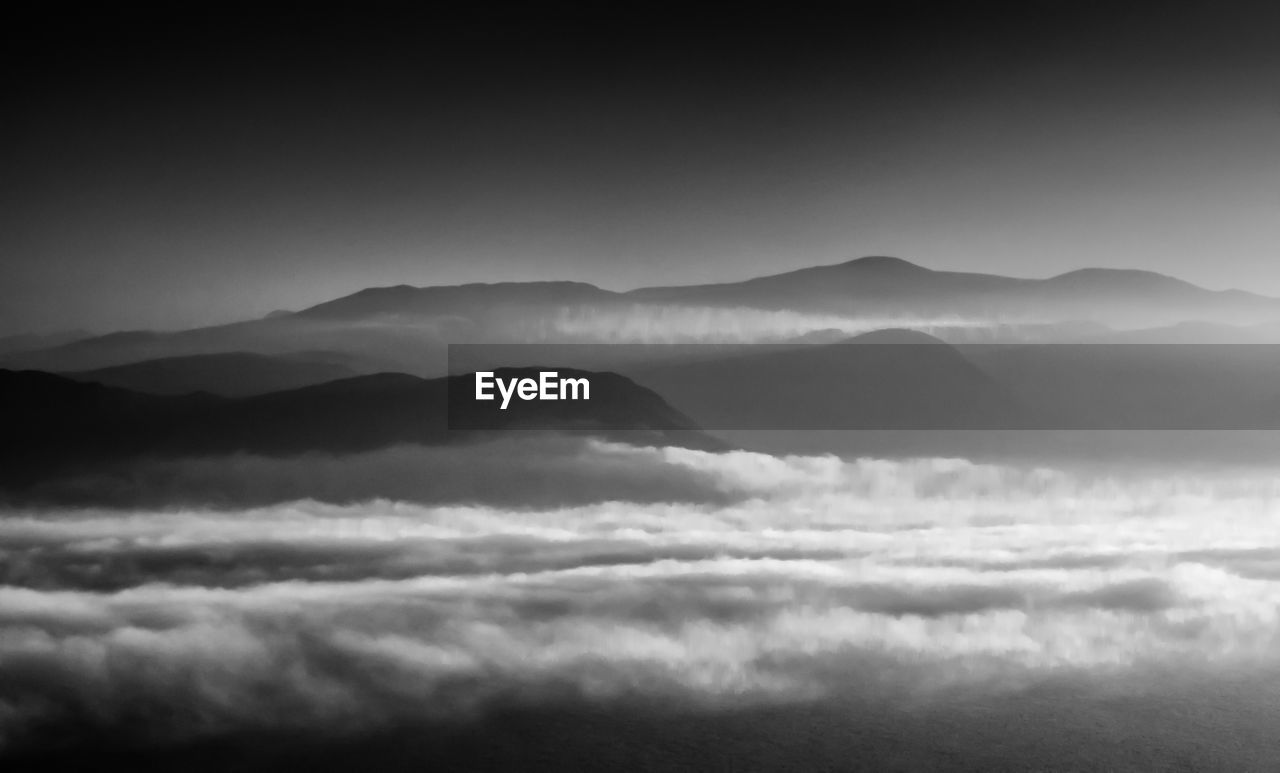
[(788, 578), (643, 323)]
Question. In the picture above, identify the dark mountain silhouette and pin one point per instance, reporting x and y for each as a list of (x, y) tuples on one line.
[(234, 374), (886, 379), (55, 424), (897, 337)]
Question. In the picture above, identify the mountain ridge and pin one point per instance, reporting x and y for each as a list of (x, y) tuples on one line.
[(883, 265), (402, 327), (55, 424), (230, 374)]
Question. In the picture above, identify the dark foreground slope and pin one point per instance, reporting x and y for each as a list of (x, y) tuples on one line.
[(53, 424)]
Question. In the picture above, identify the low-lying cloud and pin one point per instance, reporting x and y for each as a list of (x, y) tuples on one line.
[(683, 324), (768, 581)]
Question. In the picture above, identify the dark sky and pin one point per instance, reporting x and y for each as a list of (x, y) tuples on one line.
[(216, 161)]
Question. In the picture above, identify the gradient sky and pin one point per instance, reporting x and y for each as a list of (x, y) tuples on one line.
[(222, 161)]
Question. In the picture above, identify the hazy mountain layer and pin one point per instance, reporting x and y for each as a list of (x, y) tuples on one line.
[(406, 329), (233, 374), (882, 285)]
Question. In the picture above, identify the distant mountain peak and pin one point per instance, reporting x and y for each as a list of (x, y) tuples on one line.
[(895, 335), (883, 263), (1085, 275)]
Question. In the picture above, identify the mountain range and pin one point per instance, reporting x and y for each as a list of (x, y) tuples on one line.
[(373, 369), (407, 329), (879, 285)]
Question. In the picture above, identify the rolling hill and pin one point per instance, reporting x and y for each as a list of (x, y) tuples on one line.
[(230, 374), (53, 423)]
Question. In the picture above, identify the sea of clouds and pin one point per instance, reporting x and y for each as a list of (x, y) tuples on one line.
[(606, 573)]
